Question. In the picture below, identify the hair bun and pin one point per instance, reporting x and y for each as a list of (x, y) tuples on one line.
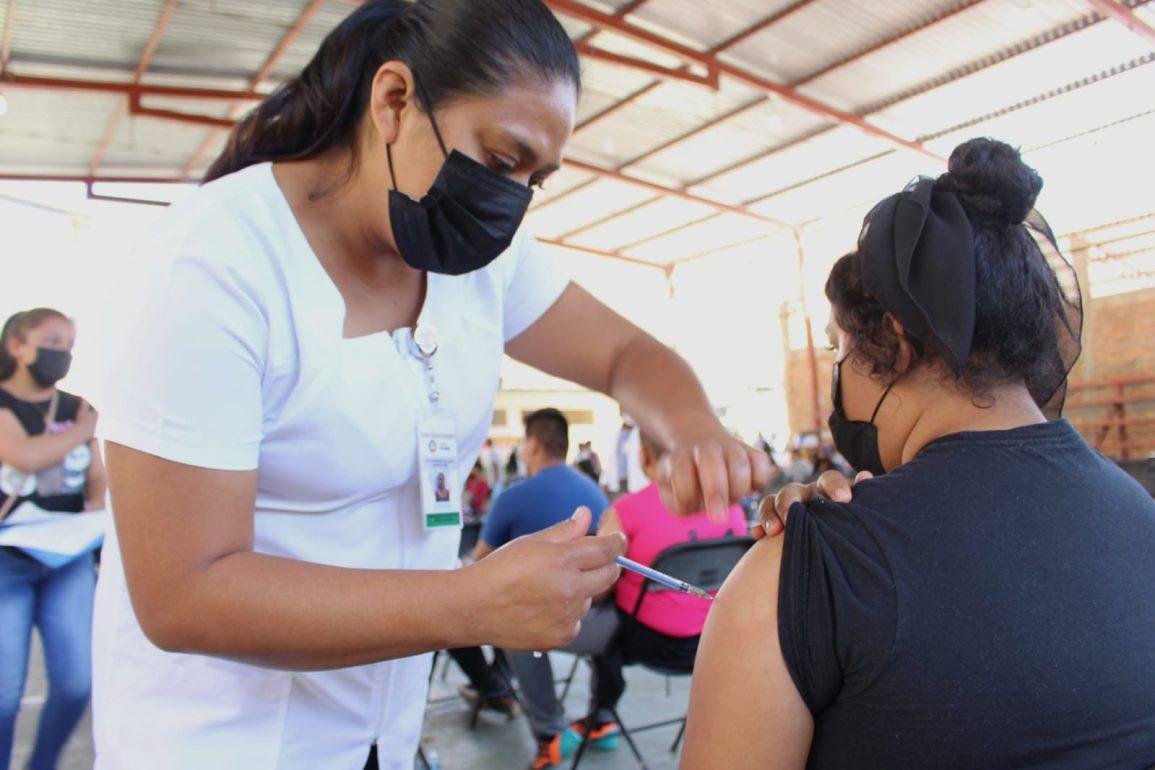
[(991, 181)]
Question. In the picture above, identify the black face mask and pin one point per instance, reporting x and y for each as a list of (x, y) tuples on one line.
[(856, 440), (50, 366), (468, 217)]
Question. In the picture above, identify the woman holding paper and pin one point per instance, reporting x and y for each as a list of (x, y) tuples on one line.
[(48, 459)]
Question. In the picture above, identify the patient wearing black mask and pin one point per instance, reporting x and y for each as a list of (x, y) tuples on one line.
[(985, 600)]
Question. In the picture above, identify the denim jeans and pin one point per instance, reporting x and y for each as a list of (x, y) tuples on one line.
[(59, 602)]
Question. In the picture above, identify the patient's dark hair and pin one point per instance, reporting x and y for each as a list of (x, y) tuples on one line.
[(454, 47), (1015, 292)]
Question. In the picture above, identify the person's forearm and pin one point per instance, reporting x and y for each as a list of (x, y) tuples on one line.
[(96, 480), (282, 613), (657, 387), (36, 453)]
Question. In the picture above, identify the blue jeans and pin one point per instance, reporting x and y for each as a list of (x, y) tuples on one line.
[(59, 602)]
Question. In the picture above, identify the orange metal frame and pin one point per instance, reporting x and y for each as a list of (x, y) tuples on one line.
[(1116, 428), (617, 23)]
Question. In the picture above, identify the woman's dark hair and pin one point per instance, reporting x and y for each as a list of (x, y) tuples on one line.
[(454, 47), (1016, 295), (16, 328)]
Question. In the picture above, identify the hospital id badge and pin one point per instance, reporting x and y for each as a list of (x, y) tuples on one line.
[(437, 467)]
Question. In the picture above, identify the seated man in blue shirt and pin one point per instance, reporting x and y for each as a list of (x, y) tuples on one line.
[(553, 491)]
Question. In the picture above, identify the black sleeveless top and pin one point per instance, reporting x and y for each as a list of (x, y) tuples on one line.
[(989, 604), (61, 487)]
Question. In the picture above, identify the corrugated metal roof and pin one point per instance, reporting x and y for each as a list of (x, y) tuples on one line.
[(785, 168), (1069, 59), (822, 33), (52, 127), (592, 202), (216, 36), (1049, 75), (328, 16), (560, 183), (773, 123), (700, 237), (973, 35), (641, 223), (1078, 110), (607, 84), (669, 110), (703, 24), (65, 30), (145, 142)]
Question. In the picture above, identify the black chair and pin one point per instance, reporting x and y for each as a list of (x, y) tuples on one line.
[(500, 666), (703, 563)]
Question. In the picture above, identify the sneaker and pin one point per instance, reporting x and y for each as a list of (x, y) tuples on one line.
[(502, 704), (552, 750), (602, 736)]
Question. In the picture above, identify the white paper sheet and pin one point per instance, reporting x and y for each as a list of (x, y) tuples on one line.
[(53, 538)]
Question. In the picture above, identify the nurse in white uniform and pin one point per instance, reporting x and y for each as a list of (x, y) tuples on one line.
[(320, 339)]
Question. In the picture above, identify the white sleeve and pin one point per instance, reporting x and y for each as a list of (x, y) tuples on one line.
[(187, 385), (533, 283)]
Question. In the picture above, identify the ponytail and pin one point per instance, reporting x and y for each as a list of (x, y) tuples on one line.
[(456, 47)]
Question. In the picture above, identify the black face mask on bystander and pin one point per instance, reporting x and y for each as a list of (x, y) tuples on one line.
[(50, 366)]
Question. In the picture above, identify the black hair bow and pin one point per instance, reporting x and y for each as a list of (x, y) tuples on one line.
[(917, 257)]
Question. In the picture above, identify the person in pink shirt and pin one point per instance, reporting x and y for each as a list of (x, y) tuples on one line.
[(669, 623)]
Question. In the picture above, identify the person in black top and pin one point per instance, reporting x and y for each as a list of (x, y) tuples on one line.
[(986, 599), (47, 457)]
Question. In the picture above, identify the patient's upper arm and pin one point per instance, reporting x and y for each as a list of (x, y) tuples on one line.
[(745, 711)]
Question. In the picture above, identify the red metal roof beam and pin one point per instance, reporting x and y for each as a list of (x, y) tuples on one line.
[(888, 42), (684, 195), (612, 108), (122, 87), (154, 40), (690, 56), (141, 67), (625, 10), (290, 36), (136, 108), (1115, 9), (710, 80), (601, 253), (756, 102), (765, 24), (94, 196), (90, 179)]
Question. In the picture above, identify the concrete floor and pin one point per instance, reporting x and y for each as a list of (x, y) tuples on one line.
[(496, 744)]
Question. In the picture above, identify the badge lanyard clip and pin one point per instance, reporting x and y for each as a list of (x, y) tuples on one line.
[(423, 345), (436, 444)]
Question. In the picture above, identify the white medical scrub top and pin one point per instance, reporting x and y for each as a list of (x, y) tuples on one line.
[(233, 358)]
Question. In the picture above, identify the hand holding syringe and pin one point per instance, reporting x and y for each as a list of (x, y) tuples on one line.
[(659, 577)]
